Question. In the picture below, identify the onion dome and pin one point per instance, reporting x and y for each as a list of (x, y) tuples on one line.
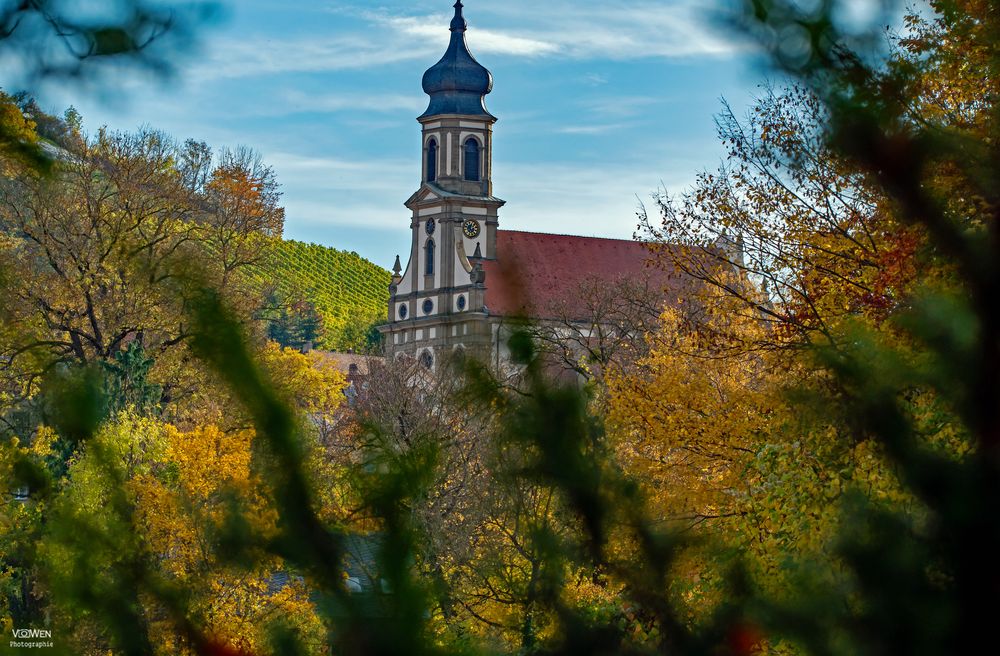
[(458, 83)]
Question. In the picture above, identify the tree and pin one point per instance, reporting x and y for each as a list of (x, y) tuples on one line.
[(93, 256), (101, 253), (603, 326), (243, 201), (18, 138), (860, 254), (297, 323), (797, 219), (196, 165), (859, 431)]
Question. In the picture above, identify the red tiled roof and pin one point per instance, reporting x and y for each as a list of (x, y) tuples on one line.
[(540, 275)]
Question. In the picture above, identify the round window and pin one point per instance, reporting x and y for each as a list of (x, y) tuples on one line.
[(428, 306), (427, 359), (461, 303), (403, 311)]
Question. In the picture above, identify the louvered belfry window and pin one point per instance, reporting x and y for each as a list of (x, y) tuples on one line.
[(432, 160), (472, 160)]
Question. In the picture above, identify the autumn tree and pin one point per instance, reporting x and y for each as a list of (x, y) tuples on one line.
[(19, 149), (102, 250), (93, 253), (479, 519), (143, 493), (837, 254), (795, 218), (242, 199)]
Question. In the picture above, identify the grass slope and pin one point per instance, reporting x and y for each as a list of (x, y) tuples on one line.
[(349, 292)]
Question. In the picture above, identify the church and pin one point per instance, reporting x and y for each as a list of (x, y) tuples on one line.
[(466, 279)]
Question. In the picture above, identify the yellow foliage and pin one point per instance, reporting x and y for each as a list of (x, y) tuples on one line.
[(310, 383), (687, 419), (16, 131), (181, 487), (705, 424)]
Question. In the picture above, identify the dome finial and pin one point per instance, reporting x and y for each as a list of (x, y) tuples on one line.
[(458, 23), (457, 83)]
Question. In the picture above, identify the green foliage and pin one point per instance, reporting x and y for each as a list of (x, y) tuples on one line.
[(127, 381), (349, 293), (295, 324)]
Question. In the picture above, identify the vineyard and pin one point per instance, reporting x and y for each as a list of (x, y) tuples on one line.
[(349, 293)]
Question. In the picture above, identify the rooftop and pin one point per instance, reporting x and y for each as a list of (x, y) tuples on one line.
[(541, 275)]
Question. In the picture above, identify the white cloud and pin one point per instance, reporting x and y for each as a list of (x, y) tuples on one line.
[(488, 41), (581, 30), (342, 192), (236, 58), (295, 102), (639, 29), (515, 28)]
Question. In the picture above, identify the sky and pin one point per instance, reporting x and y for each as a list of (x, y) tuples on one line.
[(601, 103)]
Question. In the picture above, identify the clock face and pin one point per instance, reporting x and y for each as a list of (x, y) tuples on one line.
[(429, 226), (470, 229)]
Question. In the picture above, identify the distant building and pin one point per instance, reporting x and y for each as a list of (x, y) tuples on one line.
[(465, 277), (356, 369)]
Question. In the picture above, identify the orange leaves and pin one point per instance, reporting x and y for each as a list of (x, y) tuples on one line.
[(242, 198), (244, 195)]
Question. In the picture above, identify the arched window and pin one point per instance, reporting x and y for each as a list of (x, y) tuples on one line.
[(429, 255), (432, 160), (472, 160)]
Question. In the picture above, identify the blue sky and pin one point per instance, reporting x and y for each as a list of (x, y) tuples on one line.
[(600, 104)]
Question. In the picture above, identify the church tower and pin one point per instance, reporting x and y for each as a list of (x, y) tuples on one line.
[(438, 303)]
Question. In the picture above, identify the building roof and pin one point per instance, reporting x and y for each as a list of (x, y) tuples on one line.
[(541, 275), (457, 83), (422, 194), (347, 363)]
